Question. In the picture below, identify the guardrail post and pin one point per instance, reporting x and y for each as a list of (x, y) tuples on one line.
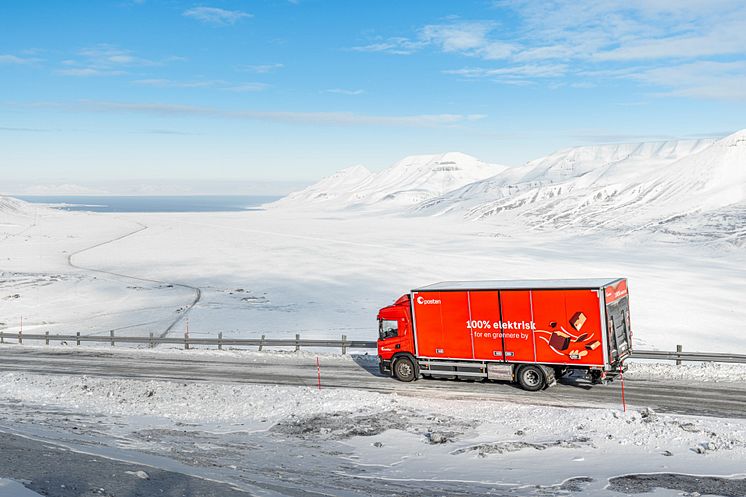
[(297, 342), (20, 337), (186, 340), (220, 341), (261, 343), (2, 337), (77, 338), (344, 344), (46, 338), (111, 335), (151, 343), (679, 349)]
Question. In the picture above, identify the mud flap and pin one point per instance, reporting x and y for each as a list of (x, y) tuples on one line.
[(549, 376)]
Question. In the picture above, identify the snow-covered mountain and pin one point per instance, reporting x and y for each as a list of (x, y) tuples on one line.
[(329, 188), (13, 206), (692, 187), (572, 170), (622, 187), (408, 182)]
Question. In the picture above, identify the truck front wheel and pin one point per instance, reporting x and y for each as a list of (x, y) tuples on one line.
[(404, 369), (531, 378)]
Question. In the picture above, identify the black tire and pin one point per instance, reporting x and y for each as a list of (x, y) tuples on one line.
[(531, 378), (404, 370)]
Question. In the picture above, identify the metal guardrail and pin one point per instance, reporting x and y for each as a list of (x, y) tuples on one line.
[(297, 343), (187, 341), (689, 356)]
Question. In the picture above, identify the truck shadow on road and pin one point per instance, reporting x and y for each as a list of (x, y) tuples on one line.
[(369, 364)]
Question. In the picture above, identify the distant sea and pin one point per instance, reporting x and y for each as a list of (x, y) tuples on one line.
[(187, 203)]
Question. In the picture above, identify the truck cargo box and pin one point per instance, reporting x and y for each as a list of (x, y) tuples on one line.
[(581, 323)]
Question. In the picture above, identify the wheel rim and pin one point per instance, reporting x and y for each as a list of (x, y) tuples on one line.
[(405, 369), (531, 377)]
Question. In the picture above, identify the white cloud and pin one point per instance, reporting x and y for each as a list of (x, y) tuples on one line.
[(571, 39), (216, 16), (315, 118), (169, 83), (103, 60), (397, 46), (217, 84), (261, 68), (342, 91), (530, 70), (84, 72), (703, 79), (246, 87), (104, 55), (13, 59), (458, 36)]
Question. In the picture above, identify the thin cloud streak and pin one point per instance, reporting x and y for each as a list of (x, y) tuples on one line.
[(14, 59), (342, 91), (215, 84), (261, 68), (324, 118)]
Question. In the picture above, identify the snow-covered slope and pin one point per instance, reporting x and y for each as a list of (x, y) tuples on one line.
[(408, 182), (329, 188), (574, 170), (671, 187), (10, 206)]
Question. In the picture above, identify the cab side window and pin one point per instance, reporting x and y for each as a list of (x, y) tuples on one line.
[(388, 329)]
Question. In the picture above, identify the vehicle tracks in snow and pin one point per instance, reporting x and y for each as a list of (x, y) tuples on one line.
[(141, 227)]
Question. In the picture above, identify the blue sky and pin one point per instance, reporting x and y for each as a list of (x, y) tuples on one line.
[(277, 90)]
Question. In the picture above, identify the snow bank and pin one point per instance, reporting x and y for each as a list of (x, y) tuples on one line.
[(186, 402), (699, 372)]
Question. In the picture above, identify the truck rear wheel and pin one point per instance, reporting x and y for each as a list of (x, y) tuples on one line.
[(531, 378), (404, 369)]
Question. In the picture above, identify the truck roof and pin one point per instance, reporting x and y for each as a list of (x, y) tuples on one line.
[(519, 284)]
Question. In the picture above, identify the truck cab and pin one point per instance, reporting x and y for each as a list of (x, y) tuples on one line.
[(395, 336)]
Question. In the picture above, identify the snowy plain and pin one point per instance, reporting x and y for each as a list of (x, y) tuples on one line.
[(324, 274)]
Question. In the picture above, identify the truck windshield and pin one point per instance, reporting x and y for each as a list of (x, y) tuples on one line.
[(388, 329)]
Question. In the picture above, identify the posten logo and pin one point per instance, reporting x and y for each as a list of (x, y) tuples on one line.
[(423, 301)]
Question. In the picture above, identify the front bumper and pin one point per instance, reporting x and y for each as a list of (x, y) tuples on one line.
[(384, 366)]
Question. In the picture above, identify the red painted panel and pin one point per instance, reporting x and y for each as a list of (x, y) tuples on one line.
[(588, 338), (456, 331), (557, 340), (428, 321), (517, 324), (485, 317), (550, 317)]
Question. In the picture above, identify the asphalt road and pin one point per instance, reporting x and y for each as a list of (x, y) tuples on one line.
[(361, 372)]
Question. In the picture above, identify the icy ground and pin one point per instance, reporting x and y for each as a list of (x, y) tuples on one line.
[(271, 440)]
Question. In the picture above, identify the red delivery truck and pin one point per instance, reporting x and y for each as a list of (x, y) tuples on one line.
[(530, 332)]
